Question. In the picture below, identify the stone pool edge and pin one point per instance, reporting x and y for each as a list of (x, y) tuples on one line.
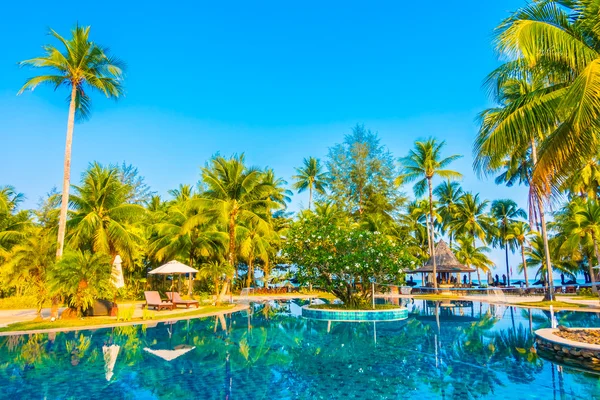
[(547, 341), (238, 307)]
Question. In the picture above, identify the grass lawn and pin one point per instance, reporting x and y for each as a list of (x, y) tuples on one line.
[(94, 321), (547, 304)]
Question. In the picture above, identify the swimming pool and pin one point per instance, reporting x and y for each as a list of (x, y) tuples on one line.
[(454, 350)]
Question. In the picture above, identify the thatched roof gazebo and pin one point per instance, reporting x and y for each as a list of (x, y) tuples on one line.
[(446, 264)]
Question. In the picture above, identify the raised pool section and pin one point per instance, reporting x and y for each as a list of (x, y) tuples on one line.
[(392, 314)]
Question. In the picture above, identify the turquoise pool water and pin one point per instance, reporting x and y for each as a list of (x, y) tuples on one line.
[(461, 350)]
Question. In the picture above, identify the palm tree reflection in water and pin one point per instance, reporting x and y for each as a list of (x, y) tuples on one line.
[(445, 350)]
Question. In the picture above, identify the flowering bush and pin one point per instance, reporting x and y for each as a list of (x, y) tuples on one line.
[(344, 261)]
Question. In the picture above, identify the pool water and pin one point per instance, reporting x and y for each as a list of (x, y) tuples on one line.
[(458, 350)]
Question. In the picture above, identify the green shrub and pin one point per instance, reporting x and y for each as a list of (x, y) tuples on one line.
[(125, 313), (586, 292), (148, 314)]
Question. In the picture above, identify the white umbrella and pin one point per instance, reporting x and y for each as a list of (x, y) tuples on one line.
[(110, 358), (116, 277), (173, 268), (170, 355)]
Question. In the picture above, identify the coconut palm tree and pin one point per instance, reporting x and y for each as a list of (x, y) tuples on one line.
[(13, 222), (422, 164), (470, 254), (505, 212), (101, 219), (80, 66), (507, 140), (471, 217), (235, 193), (254, 243), (448, 193), (31, 259), (520, 232), (217, 270), (586, 222), (559, 41), (311, 176)]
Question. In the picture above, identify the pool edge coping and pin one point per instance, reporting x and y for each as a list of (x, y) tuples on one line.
[(548, 335), (238, 307)]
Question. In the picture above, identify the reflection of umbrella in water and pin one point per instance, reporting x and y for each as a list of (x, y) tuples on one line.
[(170, 355), (110, 358)]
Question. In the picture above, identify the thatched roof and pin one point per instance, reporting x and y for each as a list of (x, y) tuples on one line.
[(445, 261)]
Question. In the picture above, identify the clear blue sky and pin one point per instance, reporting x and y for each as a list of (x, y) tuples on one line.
[(279, 81)]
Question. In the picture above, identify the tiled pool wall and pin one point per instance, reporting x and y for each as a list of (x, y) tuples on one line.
[(356, 315)]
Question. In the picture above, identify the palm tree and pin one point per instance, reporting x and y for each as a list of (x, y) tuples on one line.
[(471, 217), (505, 212), (587, 222), (422, 164), (217, 270), (559, 41), (448, 193), (187, 233), (82, 65), (507, 140), (536, 257), (519, 231), (254, 243), (81, 277), (13, 222), (311, 176), (33, 257), (101, 219), (470, 254), (235, 193)]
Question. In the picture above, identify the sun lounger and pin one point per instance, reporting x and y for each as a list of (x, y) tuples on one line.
[(177, 300), (153, 300)]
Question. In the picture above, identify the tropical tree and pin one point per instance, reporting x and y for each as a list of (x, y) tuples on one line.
[(422, 164), (31, 259), (254, 244), (520, 232), (80, 66), (471, 217), (101, 219), (217, 270), (586, 222), (235, 193), (13, 222), (470, 254), (448, 194), (311, 176), (559, 41), (81, 277), (505, 212)]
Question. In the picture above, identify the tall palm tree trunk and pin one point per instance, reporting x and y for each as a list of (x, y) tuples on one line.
[(550, 294), (592, 272), (507, 267), (250, 276), (435, 285), (230, 256), (524, 264), (64, 206), (310, 189)]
